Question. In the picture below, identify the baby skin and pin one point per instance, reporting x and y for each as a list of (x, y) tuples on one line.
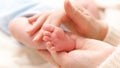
[(57, 39)]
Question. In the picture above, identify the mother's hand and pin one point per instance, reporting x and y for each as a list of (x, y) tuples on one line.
[(91, 55), (56, 18), (84, 22)]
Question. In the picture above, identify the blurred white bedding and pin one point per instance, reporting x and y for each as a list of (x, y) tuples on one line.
[(15, 55)]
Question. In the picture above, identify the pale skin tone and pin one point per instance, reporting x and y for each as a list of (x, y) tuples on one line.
[(83, 56), (100, 50), (87, 29), (69, 50), (58, 39)]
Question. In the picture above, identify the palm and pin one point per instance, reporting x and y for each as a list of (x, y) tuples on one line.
[(85, 21), (93, 50)]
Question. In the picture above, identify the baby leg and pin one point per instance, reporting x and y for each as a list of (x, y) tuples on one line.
[(17, 28), (56, 37)]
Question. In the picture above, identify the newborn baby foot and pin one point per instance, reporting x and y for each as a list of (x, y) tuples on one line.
[(57, 39)]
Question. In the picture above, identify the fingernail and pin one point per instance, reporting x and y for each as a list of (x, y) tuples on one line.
[(36, 39)]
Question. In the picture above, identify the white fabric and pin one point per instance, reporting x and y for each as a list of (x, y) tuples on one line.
[(113, 36), (113, 61), (112, 18)]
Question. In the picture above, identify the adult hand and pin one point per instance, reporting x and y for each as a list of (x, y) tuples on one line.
[(86, 25), (49, 17), (90, 54)]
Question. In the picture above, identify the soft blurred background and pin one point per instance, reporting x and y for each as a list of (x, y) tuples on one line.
[(15, 55)]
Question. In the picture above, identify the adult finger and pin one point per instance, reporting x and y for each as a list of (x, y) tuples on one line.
[(39, 22), (85, 23), (34, 18), (55, 18), (76, 12), (59, 57), (47, 56)]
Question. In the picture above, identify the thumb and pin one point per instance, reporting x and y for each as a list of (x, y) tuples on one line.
[(75, 11), (58, 57)]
